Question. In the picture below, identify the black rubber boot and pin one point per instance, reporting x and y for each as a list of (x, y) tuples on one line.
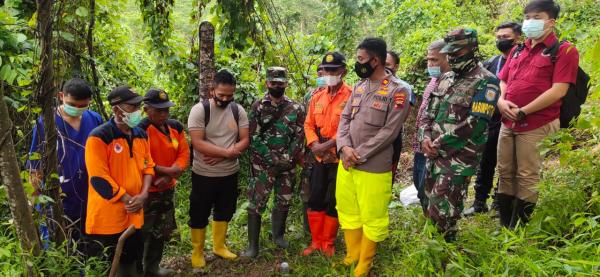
[(479, 206), (278, 219), (505, 208), (153, 252), (525, 211), (253, 236), (128, 270)]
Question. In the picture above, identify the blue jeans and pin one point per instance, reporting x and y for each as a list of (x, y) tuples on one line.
[(419, 173)]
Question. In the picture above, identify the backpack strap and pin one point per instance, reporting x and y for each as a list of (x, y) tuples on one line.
[(518, 50), (553, 51), (236, 112), (206, 105)]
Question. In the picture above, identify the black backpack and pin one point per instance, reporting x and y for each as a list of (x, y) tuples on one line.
[(577, 93)]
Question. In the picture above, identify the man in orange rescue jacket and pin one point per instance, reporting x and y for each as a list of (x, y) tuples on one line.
[(120, 169), (171, 153)]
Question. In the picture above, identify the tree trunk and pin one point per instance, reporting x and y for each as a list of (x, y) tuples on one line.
[(11, 179), (206, 59), (90, 48), (46, 96)]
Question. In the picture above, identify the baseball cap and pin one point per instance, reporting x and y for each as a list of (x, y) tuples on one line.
[(277, 74), (459, 39), (124, 94), (157, 98), (333, 60)]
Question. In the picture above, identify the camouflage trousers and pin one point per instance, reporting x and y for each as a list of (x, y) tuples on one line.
[(305, 175), (445, 192), (159, 215), (263, 181)]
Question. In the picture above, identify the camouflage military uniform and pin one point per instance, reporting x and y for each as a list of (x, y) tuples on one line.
[(456, 122), (276, 144), (159, 215)]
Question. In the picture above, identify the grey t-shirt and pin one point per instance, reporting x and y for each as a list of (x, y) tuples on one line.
[(221, 131)]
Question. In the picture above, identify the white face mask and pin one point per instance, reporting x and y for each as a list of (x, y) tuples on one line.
[(332, 80)]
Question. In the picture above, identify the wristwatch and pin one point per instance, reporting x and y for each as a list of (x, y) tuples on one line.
[(521, 115)]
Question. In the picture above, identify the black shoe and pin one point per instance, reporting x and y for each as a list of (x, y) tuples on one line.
[(505, 208), (253, 235), (479, 206), (278, 219)]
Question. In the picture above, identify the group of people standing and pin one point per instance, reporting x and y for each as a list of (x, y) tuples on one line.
[(346, 139)]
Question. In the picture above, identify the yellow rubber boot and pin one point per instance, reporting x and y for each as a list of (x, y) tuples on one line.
[(367, 253), (219, 232), (198, 236), (353, 238)]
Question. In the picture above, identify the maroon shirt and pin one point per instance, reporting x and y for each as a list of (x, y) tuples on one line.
[(532, 73)]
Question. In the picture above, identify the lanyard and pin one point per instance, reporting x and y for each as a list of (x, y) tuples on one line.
[(499, 65)]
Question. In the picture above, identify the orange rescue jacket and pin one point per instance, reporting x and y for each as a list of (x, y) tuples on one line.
[(167, 149), (116, 165)]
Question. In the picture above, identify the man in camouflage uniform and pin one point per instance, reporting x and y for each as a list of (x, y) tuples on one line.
[(277, 143), (454, 130)]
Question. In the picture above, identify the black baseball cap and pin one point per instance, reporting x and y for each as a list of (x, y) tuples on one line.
[(124, 95), (157, 98), (333, 60)]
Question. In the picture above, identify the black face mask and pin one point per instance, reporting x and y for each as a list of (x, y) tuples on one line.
[(222, 103), (504, 45), (364, 70), (276, 92)]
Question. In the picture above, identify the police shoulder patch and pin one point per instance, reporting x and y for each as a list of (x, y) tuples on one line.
[(399, 99)]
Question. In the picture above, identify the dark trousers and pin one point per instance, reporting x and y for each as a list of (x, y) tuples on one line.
[(419, 173), (487, 167), (322, 188), (212, 194), (132, 250)]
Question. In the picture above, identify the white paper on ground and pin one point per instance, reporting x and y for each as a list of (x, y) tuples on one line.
[(408, 196)]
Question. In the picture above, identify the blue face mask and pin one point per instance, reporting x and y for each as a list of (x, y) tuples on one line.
[(533, 28), (73, 111), (321, 82), (434, 71)]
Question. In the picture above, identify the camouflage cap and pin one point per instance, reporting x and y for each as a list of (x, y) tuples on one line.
[(277, 74), (459, 39)]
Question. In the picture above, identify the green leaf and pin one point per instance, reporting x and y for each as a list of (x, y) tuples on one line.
[(82, 12), (67, 36), (583, 123)]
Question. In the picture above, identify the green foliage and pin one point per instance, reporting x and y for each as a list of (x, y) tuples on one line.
[(154, 44)]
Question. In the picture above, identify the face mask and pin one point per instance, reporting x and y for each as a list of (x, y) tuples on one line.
[(391, 70), (533, 28), (364, 70), (504, 45), (332, 80), (434, 71), (131, 119), (463, 64), (222, 103), (321, 81), (73, 111), (276, 92)]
